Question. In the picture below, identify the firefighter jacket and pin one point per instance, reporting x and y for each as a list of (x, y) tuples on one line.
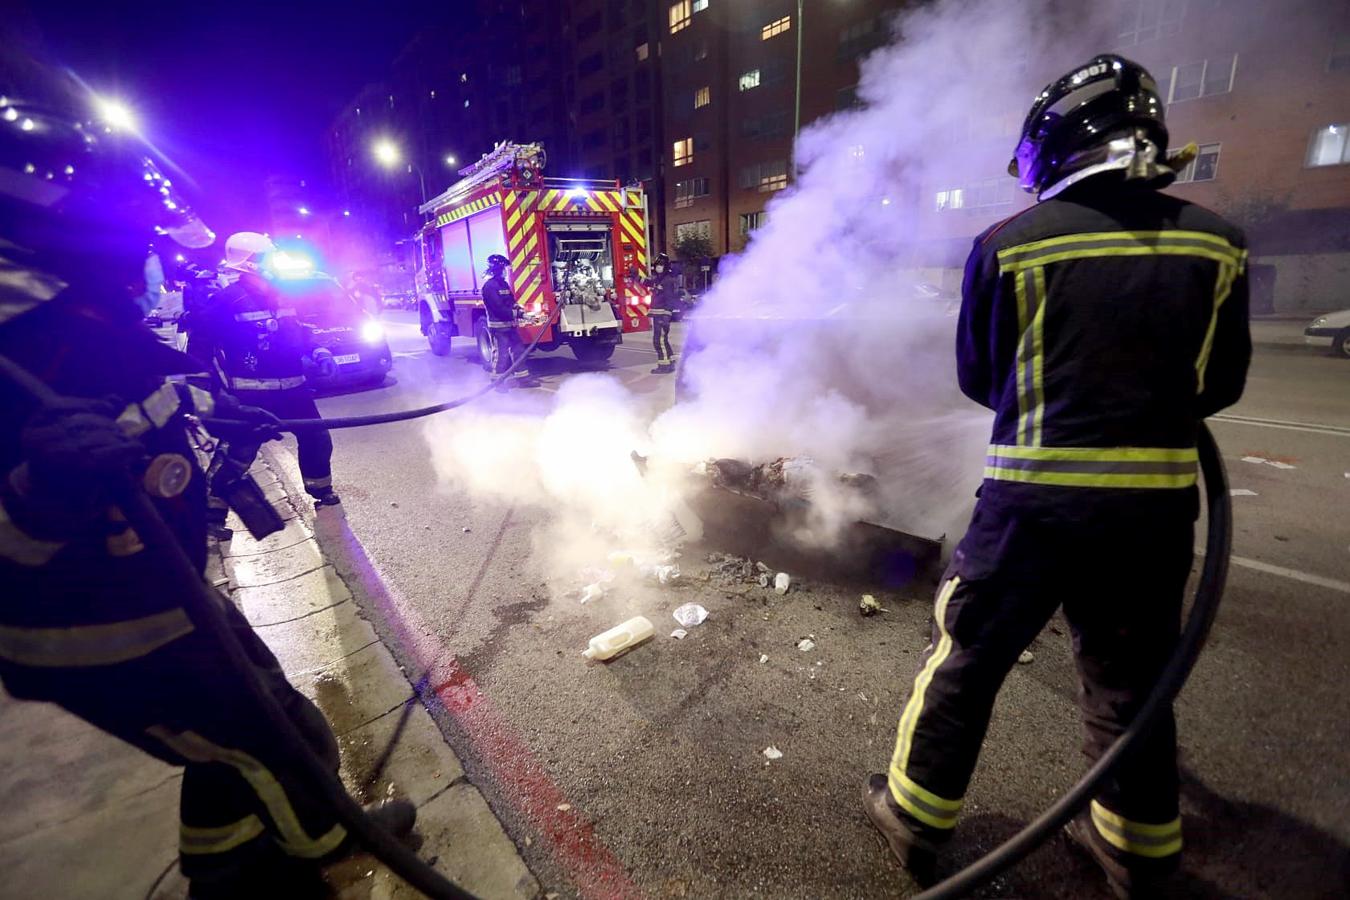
[(1101, 326), (255, 340), (500, 303), (665, 288)]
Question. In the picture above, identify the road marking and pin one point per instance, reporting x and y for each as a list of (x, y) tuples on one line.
[(1334, 430), (1330, 584)]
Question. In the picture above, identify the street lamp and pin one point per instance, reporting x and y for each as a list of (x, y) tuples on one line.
[(451, 161), (388, 155), (115, 114)]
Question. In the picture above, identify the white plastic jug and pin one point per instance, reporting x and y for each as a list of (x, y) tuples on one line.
[(619, 638)]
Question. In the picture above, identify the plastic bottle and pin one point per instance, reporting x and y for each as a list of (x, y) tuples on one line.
[(619, 638)]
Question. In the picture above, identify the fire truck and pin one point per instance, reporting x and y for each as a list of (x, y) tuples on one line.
[(578, 244)]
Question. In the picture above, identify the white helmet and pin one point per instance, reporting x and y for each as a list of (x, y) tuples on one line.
[(244, 251)]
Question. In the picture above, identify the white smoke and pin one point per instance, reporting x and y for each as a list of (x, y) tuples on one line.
[(817, 341)]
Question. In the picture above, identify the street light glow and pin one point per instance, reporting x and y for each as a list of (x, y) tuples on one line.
[(386, 153), (450, 160), (304, 210), (116, 114)]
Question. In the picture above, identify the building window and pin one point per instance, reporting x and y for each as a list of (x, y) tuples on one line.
[(700, 5), (1202, 79), (680, 14), (952, 198), (847, 98), (702, 228), (591, 64), (765, 177), (751, 221), (642, 51), (775, 28), (594, 103), (593, 140), (766, 127), (1147, 20), (513, 75), (989, 193), (1205, 166), (588, 26), (686, 192), (700, 51), (702, 97), (748, 80), (683, 153), (858, 39), (1329, 146), (1339, 61)]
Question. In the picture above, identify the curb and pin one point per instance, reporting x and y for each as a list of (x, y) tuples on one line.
[(302, 608)]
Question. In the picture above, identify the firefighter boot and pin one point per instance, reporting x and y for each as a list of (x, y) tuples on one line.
[(325, 497), (663, 369), (914, 853), (396, 816), (1126, 882)]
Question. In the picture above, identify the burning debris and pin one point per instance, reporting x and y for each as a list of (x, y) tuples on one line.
[(786, 481)]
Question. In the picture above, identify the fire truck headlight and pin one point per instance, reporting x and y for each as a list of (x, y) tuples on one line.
[(372, 332), (288, 264)]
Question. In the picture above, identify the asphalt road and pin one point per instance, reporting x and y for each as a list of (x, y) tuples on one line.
[(645, 776)]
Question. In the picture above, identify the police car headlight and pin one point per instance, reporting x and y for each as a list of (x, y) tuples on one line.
[(372, 332)]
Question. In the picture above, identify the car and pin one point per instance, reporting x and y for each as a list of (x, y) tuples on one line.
[(360, 355), (1331, 330)]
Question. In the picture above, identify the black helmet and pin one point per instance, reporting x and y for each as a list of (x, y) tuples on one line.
[(1075, 119), (496, 262), (80, 199), (662, 259)]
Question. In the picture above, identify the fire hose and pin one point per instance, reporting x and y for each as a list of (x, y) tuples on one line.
[(201, 607)]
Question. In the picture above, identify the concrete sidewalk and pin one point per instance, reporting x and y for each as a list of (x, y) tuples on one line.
[(89, 817), (1281, 332)]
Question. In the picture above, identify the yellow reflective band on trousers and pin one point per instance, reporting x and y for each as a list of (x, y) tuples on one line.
[(922, 804), (292, 836), (1107, 467), (200, 841), (1153, 841), (92, 645)]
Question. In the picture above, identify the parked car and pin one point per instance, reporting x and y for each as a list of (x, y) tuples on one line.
[(354, 337), (1331, 330)]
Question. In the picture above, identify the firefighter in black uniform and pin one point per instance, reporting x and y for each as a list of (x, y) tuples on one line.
[(257, 347), (87, 620), (1101, 326), (665, 287), (502, 322)]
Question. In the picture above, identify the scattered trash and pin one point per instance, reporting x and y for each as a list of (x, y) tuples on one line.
[(679, 634), (763, 658), (690, 614), (619, 560), (1243, 492), (869, 605), (393, 504), (563, 807), (781, 582), (529, 841), (666, 574), (592, 592), (806, 645), (763, 569), (772, 752), (764, 581), (619, 638), (1026, 657), (466, 529)]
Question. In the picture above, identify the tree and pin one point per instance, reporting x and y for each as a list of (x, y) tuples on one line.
[(693, 247)]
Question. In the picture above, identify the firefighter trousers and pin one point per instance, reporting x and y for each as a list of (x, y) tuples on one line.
[(314, 446), (1120, 584), (246, 807), (665, 354), (509, 349)]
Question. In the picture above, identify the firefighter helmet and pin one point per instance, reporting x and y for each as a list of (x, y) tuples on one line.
[(82, 196), (662, 261), (496, 263), (245, 250), (1105, 115)]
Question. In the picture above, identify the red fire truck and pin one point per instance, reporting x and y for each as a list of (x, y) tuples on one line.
[(576, 243)]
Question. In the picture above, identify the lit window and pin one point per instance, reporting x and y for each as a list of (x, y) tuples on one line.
[(950, 199), (765, 177), (775, 28), (1202, 79), (1205, 166), (702, 97), (751, 221), (1329, 146), (684, 152), (749, 80), (642, 52), (680, 13), (700, 5)]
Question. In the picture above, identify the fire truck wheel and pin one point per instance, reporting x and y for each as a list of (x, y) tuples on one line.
[(592, 352), (439, 338), (487, 347)]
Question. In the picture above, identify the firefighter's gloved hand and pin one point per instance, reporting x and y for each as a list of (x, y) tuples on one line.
[(260, 425), (72, 455)]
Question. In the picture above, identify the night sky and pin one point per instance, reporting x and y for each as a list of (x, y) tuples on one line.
[(235, 91)]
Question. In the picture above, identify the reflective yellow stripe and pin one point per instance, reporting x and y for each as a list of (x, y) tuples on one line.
[(196, 841), (1117, 243), (924, 805), (1081, 479), (1140, 839), (293, 838), (1023, 383), (1100, 454), (92, 645), (1223, 287), (1038, 354)]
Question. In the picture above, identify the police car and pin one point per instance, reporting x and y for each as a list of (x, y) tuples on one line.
[(357, 352), (1331, 330)]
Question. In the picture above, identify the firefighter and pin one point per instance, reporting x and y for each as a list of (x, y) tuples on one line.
[(1100, 325), (88, 620), (258, 347), (502, 322), (665, 288)]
